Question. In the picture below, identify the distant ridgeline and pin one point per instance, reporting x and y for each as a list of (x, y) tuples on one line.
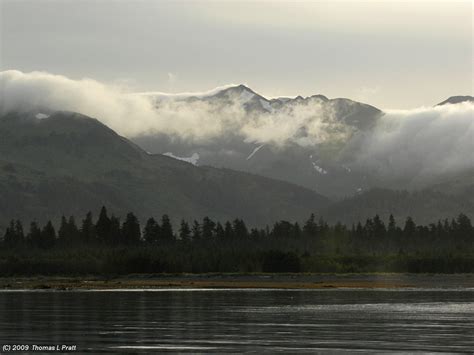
[(109, 246)]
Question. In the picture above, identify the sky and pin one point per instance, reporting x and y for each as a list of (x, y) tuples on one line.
[(398, 54)]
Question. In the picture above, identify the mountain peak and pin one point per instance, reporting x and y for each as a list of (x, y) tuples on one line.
[(242, 91), (239, 89), (457, 100)]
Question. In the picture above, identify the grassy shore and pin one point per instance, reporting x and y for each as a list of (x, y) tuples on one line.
[(235, 281)]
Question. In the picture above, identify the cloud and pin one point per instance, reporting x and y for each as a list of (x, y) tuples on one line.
[(420, 143), (134, 114), (305, 124), (27, 91)]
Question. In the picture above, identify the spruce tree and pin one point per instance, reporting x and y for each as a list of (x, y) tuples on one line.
[(88, 229), (63, 231), (392, 227), (207, 228), (410, 228), (220, 233), (9, 237), (379, 227), (115, 233), (196, 231), (184, 231), (151, 231), (102, 227), (240, 229), (131, 230), (19, 232), (14, 236), (166, 230), (48, 236), (310, 228), (73, 236), (228, 231), (34, 235)]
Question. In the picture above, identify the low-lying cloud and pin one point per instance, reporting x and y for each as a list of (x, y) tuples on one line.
[(421, 143), (132, 114)]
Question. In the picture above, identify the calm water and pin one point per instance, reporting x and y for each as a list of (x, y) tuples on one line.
[(241, 320)]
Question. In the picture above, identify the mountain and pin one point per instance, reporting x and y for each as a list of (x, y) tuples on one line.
[(58, 163), (456, 100), (316, 142), (322, 167), (55, 163)]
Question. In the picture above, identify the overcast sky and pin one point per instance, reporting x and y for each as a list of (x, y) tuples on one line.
[(398, 54)]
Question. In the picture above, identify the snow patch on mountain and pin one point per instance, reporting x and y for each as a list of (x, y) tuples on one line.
[(41, 116), (193, 159), (255, 151), (319, 169)]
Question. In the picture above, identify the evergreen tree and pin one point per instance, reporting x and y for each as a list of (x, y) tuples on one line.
[(166, 230), (88, 234), (254, 234), (14, 236), (19, 232), (63, 231), (34, 235), (228, 231), (9, 239), (379, 227), (207, 228), (463, 230), (310, 228), (297, 231), (283, 229), (184, 231), (240, 229), (410, 228), (102, 227), (131, 230), (196, 231), (73, 236), (151, 231), (392, 226), (220, 233), (48, 236), (115, 233)]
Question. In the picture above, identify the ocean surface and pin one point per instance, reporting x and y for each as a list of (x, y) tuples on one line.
[(204, 321)]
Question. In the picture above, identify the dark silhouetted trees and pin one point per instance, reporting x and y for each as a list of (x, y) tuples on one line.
[(209, 246), (131, 230), (151, 231), (184, 231)]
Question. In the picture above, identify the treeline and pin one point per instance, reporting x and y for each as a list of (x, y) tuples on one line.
[(109, 245)]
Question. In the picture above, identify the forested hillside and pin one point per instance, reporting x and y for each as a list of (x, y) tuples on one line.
[(66, 163)]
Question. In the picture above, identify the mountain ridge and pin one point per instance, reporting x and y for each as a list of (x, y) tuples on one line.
[(69, 164)]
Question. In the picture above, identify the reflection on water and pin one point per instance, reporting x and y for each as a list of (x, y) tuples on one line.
[(241, 320)]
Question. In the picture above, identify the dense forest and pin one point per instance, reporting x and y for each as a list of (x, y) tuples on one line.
[(111, 246)]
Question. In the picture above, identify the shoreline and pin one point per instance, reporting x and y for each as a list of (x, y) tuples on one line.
[(239, 281)]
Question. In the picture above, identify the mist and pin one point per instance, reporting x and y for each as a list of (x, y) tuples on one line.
[(421, 143), (131, 114), (418, 143)]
